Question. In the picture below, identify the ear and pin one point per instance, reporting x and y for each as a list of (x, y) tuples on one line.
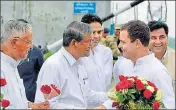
[(13, 43), (73, 43), (138, 43)]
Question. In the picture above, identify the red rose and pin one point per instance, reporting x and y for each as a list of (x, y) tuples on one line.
[(55, 88), (134, 77), (122, 85), (130, 83), (5, 103), (153, 85), (45, 89), (3, 82), (147, 93), (156, 105), (121, 77), (139, 85), (114, 104)]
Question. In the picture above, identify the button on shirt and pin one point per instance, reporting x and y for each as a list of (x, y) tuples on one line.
[(14, 90), (68, 75)]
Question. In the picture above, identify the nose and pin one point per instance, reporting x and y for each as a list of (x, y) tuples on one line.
[(95, 35), (158, 41)]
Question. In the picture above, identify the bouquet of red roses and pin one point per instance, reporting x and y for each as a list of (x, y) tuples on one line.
[(50, 91), (136, 93)]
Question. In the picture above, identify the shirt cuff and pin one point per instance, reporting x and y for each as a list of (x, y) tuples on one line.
[(108, 104)]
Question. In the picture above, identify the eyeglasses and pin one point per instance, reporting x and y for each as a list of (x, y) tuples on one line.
[(27, 41)]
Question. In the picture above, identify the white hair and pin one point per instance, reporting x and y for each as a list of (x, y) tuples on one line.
[(13, 28)]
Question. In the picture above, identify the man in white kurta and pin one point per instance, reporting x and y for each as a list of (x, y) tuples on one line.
[(134, 41), (102, 56), (16, 41), (14, 89), (64, 71), (150, 68)]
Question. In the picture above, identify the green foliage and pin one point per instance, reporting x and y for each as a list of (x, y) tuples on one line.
[(119, 97), (1, 96), (47, 55)]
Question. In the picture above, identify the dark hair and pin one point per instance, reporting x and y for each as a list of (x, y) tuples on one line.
[(90, 18), (137, 30), (153, 25)]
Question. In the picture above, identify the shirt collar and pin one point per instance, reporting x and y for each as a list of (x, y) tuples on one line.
[(164, 55), (68, 56), (145, 58), (9, 60)]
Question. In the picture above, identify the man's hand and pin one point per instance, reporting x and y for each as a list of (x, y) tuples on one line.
[(100, 107), (42, 105)]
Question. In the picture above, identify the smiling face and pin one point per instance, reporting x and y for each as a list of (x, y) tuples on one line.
[(83, 47), (128, 47), (158, 41), (97, 32)]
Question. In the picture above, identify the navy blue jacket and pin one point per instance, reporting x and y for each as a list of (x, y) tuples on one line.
[(28, 71)]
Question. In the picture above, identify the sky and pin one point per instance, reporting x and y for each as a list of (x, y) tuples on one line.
[(142, 13)]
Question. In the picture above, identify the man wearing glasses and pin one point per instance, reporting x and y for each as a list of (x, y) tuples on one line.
[(16, 41)]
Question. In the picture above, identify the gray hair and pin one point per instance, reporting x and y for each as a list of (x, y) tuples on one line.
[(14, 28), (75, 30)]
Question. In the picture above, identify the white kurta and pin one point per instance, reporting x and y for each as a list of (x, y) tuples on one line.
[(107, 61), (98, 70), (64, 71), (94, 68), (119, 67), (150, 68), (14, 90)]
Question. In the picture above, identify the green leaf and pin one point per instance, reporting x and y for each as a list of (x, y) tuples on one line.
[(1, 96), (125, 96), (119, 97), (132, 96), (131, 91)]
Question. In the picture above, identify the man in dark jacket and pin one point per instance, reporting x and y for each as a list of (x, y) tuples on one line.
[(29, 70)]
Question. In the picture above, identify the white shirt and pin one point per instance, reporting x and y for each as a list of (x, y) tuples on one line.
[(107, 60), (14, 90), (67, 74), (94, 68), (153, 70), (119, 67)]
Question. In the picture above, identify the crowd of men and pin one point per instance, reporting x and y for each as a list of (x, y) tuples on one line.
[(88, 64)]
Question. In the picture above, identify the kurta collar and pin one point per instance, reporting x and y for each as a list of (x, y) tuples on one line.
[(9, 60), (68, 56), (145, 59)]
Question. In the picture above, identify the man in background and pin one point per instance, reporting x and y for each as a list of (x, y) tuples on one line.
[(159, 45), (29, 69)]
